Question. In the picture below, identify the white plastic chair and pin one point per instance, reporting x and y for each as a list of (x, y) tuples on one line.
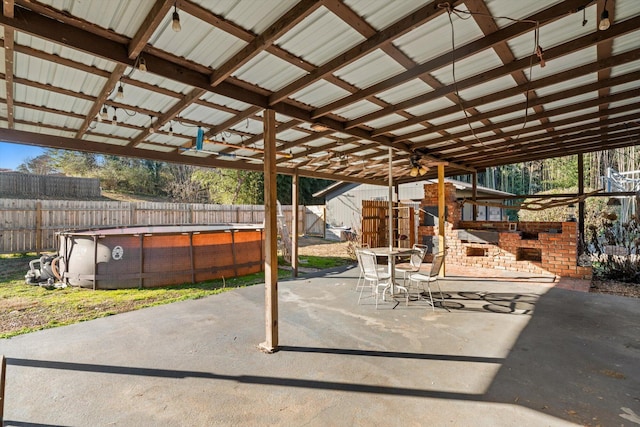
[(415, 261), (420, 278), (361, 283), (374, 277)]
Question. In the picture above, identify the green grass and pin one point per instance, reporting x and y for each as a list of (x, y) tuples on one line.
[(27, 308)]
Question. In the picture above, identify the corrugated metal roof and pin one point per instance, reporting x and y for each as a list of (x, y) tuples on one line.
[(60, 82), (310, 41)]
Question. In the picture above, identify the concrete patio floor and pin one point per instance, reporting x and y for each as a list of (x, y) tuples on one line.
[(511, 353)]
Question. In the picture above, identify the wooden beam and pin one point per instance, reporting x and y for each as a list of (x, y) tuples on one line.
[(607, 63), (442, 245), (558, 96), (581, 205), (150, 24), (295, 193), (474, 195), (575, 147), (390, 33), (8, 11), (9, 66), (557, 137), (249, 112), (3, 378), (548, 113), (271, 235), (107, 89), (556, 52), (546, 16), (66, 35), (176, 109)]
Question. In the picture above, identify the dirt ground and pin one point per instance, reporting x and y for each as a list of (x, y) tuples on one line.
[(317, 246)]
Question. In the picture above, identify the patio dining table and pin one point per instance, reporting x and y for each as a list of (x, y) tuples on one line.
[(391, 254)]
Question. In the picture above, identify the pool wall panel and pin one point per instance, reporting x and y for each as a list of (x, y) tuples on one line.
[(121, 258)]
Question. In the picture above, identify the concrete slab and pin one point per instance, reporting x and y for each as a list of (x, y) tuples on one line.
[(508, 353)]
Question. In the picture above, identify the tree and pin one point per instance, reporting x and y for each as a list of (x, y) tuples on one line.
[(181, 187), (308, 186), (40, 165), (74, 163), (231, 186)]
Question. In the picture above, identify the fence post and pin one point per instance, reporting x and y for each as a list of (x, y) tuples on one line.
[(38, 227)]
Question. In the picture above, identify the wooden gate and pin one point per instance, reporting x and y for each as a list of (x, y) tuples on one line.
[(375, 224)]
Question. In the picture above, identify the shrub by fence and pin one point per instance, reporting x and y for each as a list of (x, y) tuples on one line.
[(30, 225)]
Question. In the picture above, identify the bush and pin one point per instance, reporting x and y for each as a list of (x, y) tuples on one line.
[(614, 247)]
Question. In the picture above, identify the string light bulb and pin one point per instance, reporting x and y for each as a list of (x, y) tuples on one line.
[(114, 120), (151, 129), (175, 21), (104, 114), (605, 23), (142, 65), (120, 93), (171, 129)]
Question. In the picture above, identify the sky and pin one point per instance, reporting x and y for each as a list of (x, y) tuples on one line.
[(12, 155)]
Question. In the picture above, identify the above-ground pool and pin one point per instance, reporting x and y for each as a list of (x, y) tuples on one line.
[(152, 256)]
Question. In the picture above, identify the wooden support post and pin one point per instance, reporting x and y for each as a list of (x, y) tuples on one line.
[(441, 219), (3, 370), (580, 204), (271, 235), (390, 211), (474, 195), (294, 220)]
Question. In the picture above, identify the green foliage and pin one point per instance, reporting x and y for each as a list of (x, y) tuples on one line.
[(74, 163), (127, 175), (231, 186), (615, 248), (307, 186)]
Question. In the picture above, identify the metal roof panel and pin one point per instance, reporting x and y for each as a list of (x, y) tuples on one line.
[(382, 13), (320, 37), (319, 93), (269, 72)]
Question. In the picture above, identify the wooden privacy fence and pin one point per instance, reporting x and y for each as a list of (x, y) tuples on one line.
[(14, 184), (30, 225)]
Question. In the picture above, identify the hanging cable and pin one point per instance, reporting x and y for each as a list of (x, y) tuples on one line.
[(537, 52)]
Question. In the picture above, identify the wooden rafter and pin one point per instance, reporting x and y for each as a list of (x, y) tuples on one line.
[(296, 14), (396, 30), (552, 53)]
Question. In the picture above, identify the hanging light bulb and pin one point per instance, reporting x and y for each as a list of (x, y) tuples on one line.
[(604, 21), (171, 129), (423, 170), (175, 21), (104, 114), (120, 93), (142, 65), (114, 120), (151, 129), (414, 171)]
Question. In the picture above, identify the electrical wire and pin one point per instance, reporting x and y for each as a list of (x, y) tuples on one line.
[(537, 51)]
